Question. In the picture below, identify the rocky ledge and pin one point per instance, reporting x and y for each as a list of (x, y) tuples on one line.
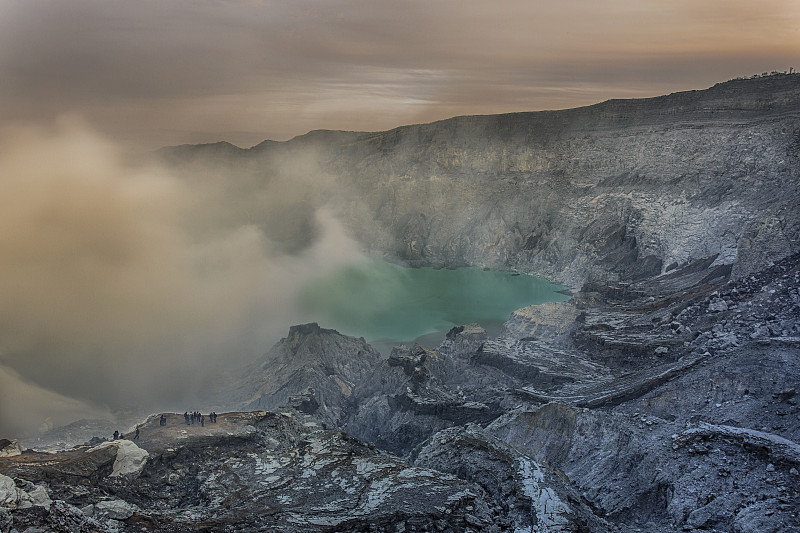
[(251, 471)]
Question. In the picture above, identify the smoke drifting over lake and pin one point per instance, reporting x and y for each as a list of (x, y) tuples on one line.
[(125, 286)]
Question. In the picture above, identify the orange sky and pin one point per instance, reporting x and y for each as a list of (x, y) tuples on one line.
[(151, 72)]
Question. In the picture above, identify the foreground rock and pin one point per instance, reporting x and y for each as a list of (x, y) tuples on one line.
[(9, 448), (523, 494), (252, 472)]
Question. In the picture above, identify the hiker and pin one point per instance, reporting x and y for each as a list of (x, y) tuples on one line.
[(203, 420), (116, 434), (163, 420), (136, 436), (186, 417)]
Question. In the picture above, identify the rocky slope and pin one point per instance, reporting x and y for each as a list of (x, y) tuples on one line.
[(661, 397), (255, 471), (668, 405)]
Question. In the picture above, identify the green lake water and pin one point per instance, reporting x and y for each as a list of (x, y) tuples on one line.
[(388, 304)]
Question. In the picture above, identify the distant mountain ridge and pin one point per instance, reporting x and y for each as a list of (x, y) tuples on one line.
[(776, 92)]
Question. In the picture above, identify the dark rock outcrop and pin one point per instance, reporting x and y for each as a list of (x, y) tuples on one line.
[(255, 471), (313, 368)]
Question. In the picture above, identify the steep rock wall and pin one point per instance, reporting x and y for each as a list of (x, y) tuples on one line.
[(620, 190)]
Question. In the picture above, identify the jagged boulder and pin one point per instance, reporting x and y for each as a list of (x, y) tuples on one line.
[(22, 494), (9, 448), (130, 459)]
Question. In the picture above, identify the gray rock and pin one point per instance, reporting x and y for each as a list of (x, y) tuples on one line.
[(8, 492), (10, 448), (514, 480), (39, 496), (6, 520), (114, 509), (316, 367), (759, 517), (130, 459), (717, 305)]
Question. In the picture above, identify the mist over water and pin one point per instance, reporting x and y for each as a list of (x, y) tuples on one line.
[(128, 287), (387, 303)]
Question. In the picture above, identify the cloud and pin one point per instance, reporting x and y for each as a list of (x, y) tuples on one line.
[(155, 73), (26, 408), (126, 286)]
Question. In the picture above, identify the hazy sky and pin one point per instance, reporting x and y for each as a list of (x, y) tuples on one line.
[(154, 72)]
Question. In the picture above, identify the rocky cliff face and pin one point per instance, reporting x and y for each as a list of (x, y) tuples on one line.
[(622, 187), (621, 190), (313, 370)]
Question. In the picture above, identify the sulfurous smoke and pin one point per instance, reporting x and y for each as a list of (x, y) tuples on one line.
[(126, 287)]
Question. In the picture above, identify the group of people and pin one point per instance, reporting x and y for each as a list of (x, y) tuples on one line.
[(119, 435), (191, 418), (198, 417)]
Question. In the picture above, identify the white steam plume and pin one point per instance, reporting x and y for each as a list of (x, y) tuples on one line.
[(118, 285)]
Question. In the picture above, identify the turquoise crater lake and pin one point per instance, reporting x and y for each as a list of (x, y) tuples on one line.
[(391, 304)]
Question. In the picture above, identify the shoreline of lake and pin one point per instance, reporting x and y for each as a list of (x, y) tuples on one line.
[(390, 304)]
